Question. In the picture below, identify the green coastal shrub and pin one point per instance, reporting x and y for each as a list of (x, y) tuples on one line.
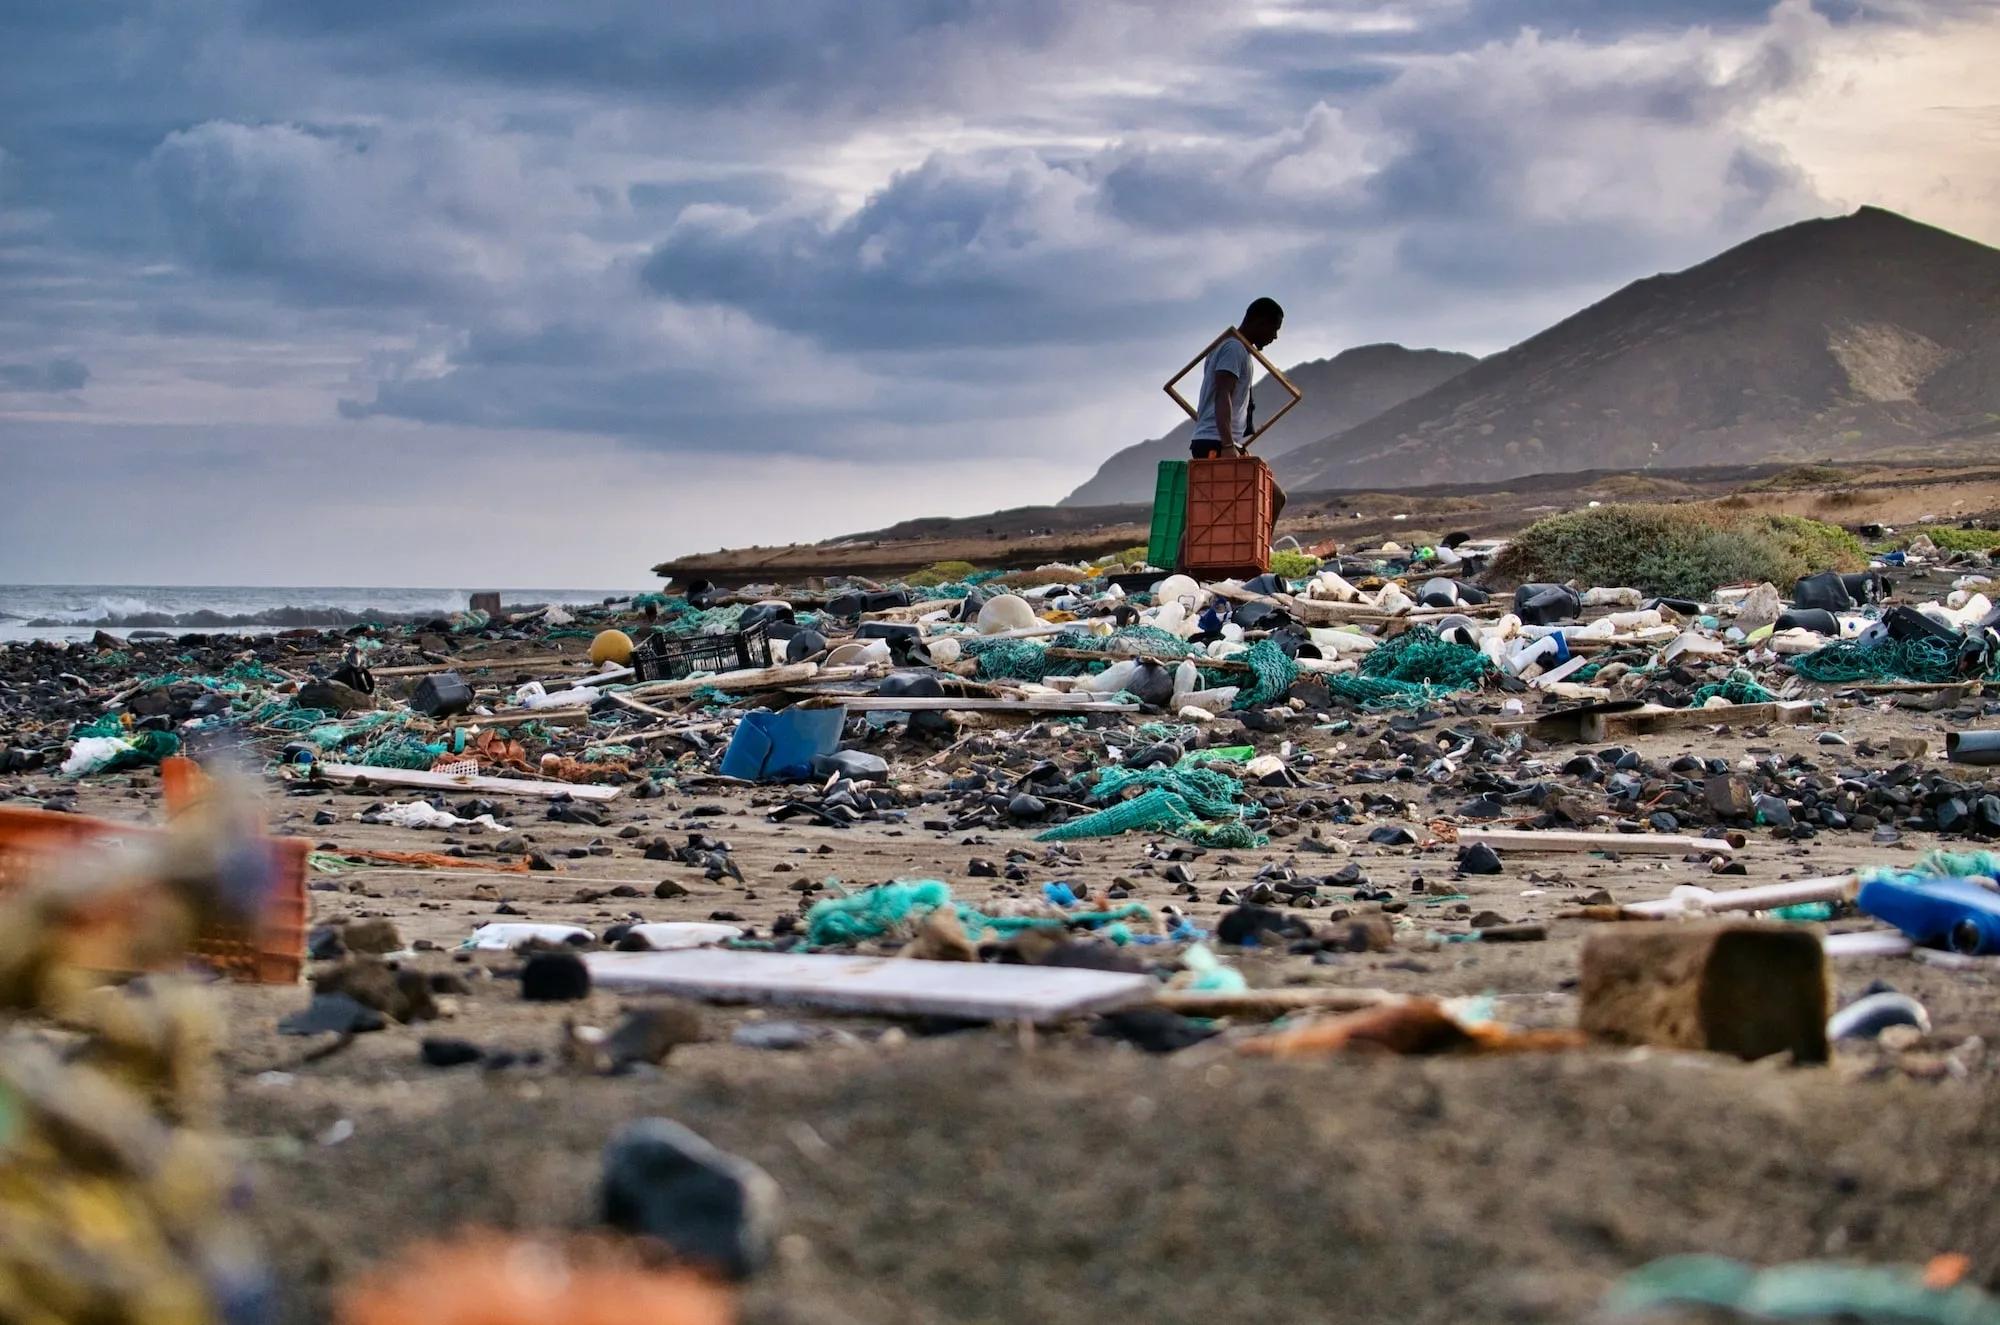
[(1683, 550)]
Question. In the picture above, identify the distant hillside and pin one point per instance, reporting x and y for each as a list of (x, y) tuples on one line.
[(1349, 388), (1869, 335)]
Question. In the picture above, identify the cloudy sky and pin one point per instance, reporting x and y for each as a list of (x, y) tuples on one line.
[(537, 293)]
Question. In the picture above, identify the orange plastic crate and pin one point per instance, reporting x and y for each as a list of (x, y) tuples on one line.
[(1228, 517), (273, 954)]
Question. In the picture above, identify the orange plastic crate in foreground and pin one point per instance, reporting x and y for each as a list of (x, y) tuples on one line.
[(274, 953)]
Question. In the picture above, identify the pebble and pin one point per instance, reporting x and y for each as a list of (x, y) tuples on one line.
[(715, 1211)]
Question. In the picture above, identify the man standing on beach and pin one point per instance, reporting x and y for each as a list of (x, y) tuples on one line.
[(1222, 423)]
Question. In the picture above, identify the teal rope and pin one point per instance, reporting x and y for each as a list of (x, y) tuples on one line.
[(1846, 661)]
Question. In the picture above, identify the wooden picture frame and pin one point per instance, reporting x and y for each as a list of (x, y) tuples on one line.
[(1255, 353)]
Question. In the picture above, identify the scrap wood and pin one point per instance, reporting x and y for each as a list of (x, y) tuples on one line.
[(552, 717), (755, 678), (428, 860), (1050, 703), (1415, 1025), (410, 777), (1599, 722), (625, 701), (1691, 900), (472, 664), (1673, 844), (873, 985)]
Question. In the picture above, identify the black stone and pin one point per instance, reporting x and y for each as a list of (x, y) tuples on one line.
[(554, 977), (713, 1210), (444, 1052), (1155, 1030), (1479, 859)]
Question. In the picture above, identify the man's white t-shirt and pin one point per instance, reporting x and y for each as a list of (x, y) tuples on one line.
[(1228, 357)]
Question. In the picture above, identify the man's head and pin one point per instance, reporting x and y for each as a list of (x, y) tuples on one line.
[(1261, 322)]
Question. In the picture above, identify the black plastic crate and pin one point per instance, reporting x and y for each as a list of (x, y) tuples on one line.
[(664, 658)]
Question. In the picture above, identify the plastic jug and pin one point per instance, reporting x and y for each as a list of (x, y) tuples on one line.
[(1962, 914)]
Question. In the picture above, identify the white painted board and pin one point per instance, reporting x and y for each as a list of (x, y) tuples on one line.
[(415, 777), (888, 986)]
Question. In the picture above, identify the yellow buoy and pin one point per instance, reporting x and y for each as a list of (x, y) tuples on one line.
[(611, 646)]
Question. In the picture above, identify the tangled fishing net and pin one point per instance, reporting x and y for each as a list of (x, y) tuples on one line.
[(1274, 672), (895, 909), (1198, 804), (1928, 660), (1740, 688), (1414, 669)]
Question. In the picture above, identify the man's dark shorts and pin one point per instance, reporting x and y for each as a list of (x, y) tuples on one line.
[(1206, 448)]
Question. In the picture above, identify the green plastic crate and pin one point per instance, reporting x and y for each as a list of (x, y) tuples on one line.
[(1163, 546)]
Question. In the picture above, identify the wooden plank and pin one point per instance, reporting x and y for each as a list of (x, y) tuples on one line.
[(1640, 722), (1594, 725), (511, 717), (1049, 704), (884, 986), (1652, 844), (480, 665), (755, 678), (1104, 655), (625, 701), (416, 777), (1690, 900)]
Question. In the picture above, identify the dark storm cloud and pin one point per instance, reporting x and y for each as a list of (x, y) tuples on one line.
[(636, 219), (54, 375), (805, 55), (1444, 157)]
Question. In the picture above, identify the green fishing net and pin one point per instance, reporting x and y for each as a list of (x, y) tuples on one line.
[(1412, 670), (1740, 688), (1928, 660), (1195, 803), (895, 909)]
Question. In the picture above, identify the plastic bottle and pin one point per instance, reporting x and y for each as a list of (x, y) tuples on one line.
[(1548, 651), (1963, 914)]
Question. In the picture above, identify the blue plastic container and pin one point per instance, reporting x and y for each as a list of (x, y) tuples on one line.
[(771, 747), (1961, 914)]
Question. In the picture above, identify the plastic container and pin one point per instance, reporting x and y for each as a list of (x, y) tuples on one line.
[(781, 745), (661, 658), (272, 952), (1962, 914), (1170, 494), (441, 695), (1228, 518), (1981, 747)]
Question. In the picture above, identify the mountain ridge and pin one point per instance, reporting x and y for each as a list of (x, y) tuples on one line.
[(1867, 335)]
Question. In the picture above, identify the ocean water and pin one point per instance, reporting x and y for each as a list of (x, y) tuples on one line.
[(77, 611)]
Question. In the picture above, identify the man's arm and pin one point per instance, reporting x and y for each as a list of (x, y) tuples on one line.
[(1225, 411)]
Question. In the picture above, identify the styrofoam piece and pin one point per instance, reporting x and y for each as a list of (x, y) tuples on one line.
[(889, 986), (1868, 943), (503, 936), (678, 935)]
